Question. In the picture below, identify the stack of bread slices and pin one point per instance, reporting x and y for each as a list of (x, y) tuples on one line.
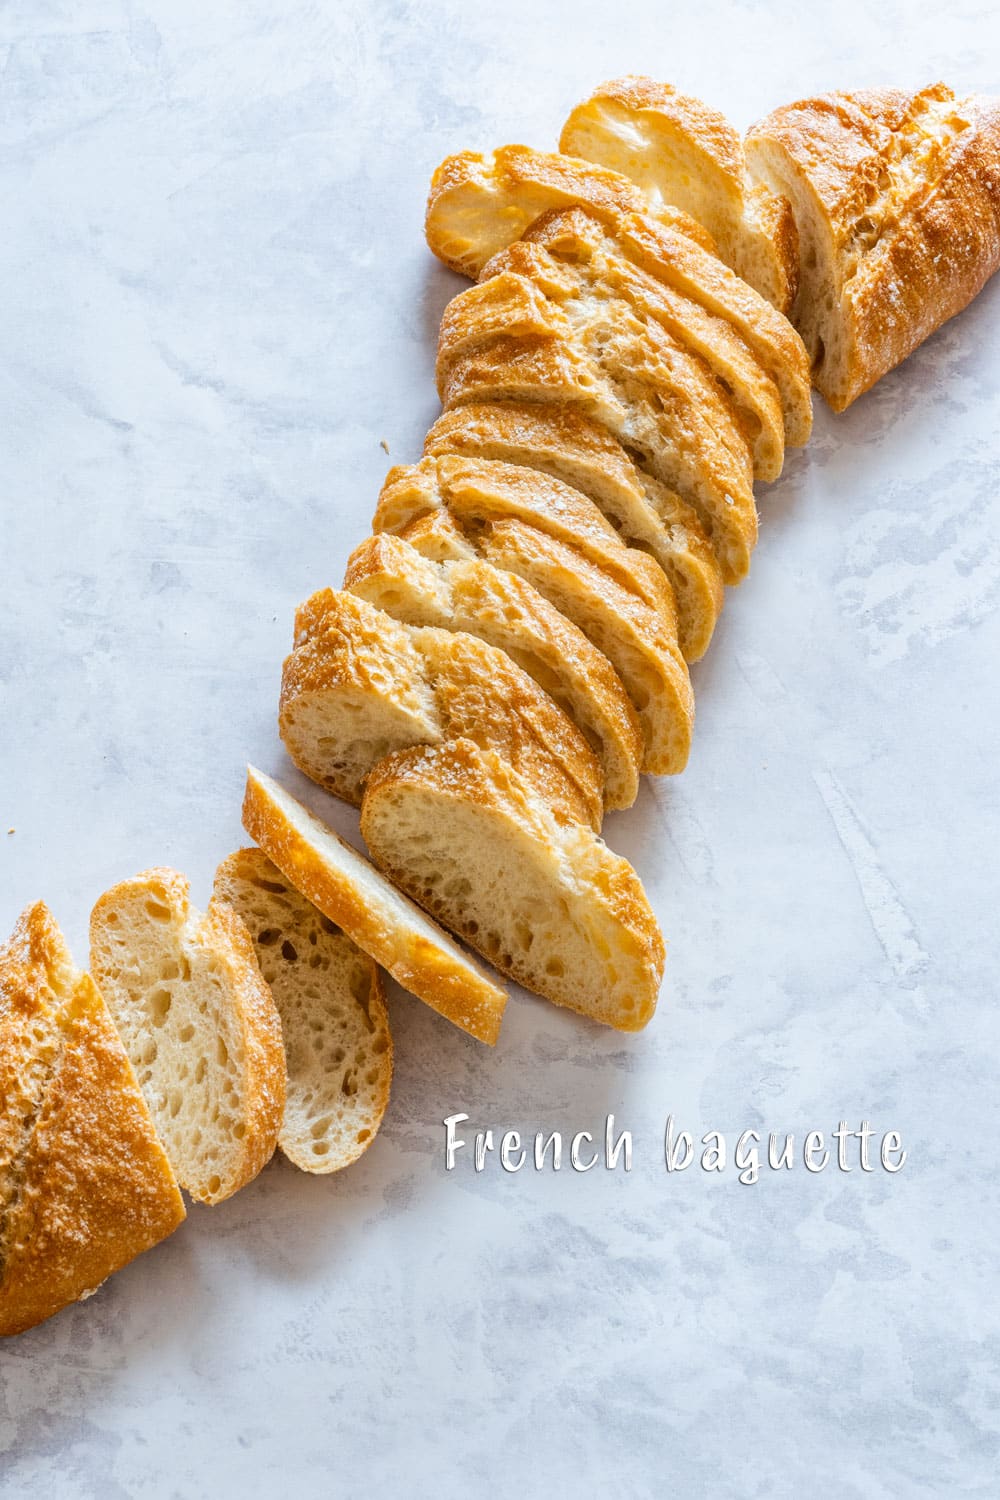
[(509, 652)]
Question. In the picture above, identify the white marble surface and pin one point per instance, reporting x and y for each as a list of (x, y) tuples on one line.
[(215, 303)]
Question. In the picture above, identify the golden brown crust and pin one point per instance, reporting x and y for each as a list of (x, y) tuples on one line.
[(904, 191), (679, 150), (460, 774), (479, 204), (351, 893), (591, 254), (631, 377), (87, 1186), (566, 445), (505, 611), (459, 686)]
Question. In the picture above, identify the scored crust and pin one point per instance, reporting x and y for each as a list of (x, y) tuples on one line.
[(383, 922), (86, 1185), (897, 200)]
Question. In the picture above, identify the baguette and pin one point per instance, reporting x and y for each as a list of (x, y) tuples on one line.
[(199, 1025), (505, 611), (359, 684), (85, 1184), (639, 642), (680, 151), (593, 353), (597, 479), (331, 1001), (547, 904), (897, 201), (479, 204), (351, 893)]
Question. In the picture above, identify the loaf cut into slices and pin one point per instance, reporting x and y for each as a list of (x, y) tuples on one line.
[(478, 204), (639, 642), (678, 150), (348, 890), (85, 1184), (199, 1025), (504, 610), (359, 684), (632, 377), (331, 1001), (592, 256), (896, 198), (549, 905), (640, 515)]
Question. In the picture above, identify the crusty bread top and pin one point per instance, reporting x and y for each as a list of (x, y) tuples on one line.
[(85, 1182), (679, 150), (479, 204), (898, 196), (199, 1024), (379, 918)]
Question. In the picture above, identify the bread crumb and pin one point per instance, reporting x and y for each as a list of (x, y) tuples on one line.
[(10, 831), (383, 445)]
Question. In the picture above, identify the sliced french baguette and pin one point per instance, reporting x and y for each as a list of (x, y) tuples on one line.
[(593, 352), (359, 684), (351, 893), (85, 1184), (548, 904), (589, 252), (639, 642), (559, 442), (479, 204), (897, 201), (504, 610), (331, 1001), (680, 151), (199, 1025)]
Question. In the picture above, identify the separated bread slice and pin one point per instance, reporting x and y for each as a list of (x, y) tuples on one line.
[(331, 1000), (199, 1025), (508, 613), (359, 684), (678, 150), (478, 204), (632, 378), (897, 202), (549, 905), (641, 515), (589, 251), (351, 893), (85, 1184)]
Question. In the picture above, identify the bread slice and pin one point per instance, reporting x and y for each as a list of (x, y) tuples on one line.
[(359, 684), (591, 255), (629, 376), (548, 904), (85, 1184), (508, 613), (331, 1001), (639, 642), (351, 893), (897, 201), (479, 204), (597, 478), (199, 1026), (680, 151)]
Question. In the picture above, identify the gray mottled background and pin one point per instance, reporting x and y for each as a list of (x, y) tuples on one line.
[(214, 303)]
